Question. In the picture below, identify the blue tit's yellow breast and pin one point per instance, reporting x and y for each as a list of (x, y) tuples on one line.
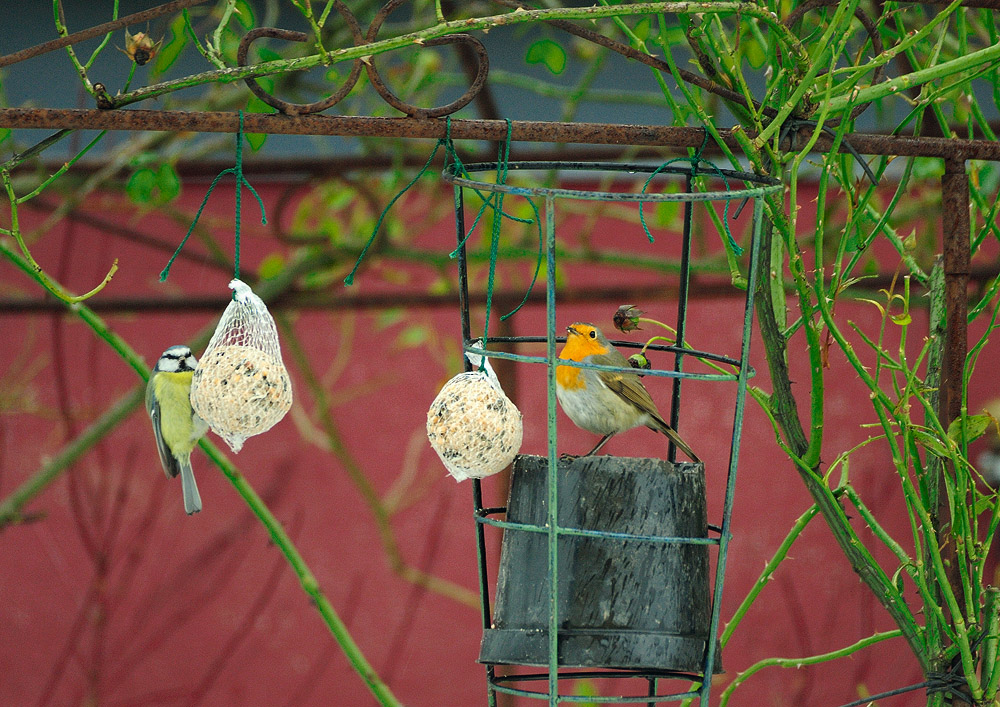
[(173, 393)]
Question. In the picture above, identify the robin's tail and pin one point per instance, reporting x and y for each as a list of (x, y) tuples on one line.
[(658, 424)]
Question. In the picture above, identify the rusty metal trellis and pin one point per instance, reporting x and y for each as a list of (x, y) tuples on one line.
[(423, 123)]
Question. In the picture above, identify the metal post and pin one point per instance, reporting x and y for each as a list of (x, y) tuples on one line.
[(957, 250)]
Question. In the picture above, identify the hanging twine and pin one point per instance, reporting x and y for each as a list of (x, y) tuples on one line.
[(237, 171), (695, 160), (493, 201)]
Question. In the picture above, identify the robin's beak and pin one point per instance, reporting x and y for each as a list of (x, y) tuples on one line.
[(571, 331)]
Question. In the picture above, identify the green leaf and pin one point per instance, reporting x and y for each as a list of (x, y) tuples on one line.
[(440, 286), (587, 688), (155, 187), (931, 443), (271, 265), (412, 336), (752, 50), (673, 35), (643, 28), (901, 319), (975, 427), (897, 578), (549, 53), (244, 15), (168, 182), (266, 54), (669, 214), (172, 47), (389, 317), (4, 134), (256, 140), (141, 185), (873, 302)]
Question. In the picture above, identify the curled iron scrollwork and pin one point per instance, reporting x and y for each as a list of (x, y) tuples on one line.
[(482, 70), (291, 36), (482, 60)]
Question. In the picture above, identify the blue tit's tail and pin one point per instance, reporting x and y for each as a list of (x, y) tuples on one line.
[(192, 499)]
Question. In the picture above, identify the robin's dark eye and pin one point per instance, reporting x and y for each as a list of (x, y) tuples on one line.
[(593, 334)]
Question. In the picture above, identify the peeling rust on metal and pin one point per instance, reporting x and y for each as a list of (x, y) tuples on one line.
[(957, 254), (521, 130)]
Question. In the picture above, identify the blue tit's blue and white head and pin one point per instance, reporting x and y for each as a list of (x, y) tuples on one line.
[(176, 426)]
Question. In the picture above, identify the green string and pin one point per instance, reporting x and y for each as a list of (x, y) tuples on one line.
[(349, 280), (494, 201), (237, 171), (489, 202), (503, 154), (694, 160)]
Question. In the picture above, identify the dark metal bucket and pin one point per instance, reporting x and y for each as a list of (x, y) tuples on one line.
[(623, 602)]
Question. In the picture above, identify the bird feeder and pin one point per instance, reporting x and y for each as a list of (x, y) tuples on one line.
[(605, 568)]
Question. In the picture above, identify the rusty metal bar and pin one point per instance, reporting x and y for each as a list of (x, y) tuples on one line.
[(492, 130), (957, 252), (98, 30), (955, 224)]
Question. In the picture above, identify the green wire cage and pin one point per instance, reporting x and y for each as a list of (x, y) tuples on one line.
[(580, 592)]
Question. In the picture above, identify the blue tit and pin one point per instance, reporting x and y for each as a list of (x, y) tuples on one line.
[(175, 424)]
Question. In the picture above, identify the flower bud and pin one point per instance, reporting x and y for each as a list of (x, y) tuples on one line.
[(627, 318), (639, 361)]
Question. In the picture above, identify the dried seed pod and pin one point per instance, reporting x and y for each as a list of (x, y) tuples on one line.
[(140, 47)]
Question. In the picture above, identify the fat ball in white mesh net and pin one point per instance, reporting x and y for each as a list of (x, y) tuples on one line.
[(241, 386), (472, 425)]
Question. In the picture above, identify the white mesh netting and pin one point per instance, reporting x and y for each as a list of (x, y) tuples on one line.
[(241, 387), (473, 426)]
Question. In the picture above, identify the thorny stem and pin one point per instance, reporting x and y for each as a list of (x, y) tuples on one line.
[(278, 66), (800, 662), (10, 508)]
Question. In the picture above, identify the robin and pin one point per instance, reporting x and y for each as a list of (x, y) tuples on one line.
[(604, 402)]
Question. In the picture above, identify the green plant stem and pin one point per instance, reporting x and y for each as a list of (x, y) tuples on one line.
[(31, 266), (958, 621), (12, 506), (62, 31), (800, 662), (215, 46), (769, 569), (915, 78), (104, 42), (63, 168), (991, 639), (228, 75), (782, 405), (805, 84), (35, 149), (307, 579)]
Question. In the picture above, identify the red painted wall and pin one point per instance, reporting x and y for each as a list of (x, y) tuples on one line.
[(115, 597)]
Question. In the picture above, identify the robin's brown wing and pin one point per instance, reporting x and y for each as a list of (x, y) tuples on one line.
[(631, 389)]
